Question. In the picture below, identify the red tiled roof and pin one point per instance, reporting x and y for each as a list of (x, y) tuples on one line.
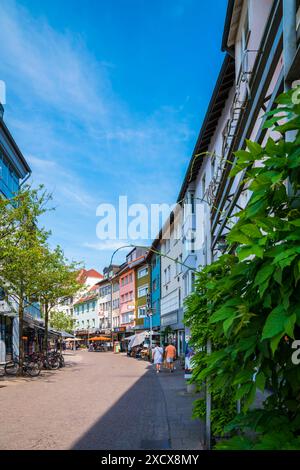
[(93, 273), (84, 274)]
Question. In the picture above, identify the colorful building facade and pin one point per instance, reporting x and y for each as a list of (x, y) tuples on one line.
[(155, 290), (142, 289), (127, 298)]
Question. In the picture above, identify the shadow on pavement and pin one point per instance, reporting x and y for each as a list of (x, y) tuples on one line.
[(138, 420)]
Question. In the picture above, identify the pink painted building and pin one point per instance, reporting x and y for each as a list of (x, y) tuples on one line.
[(127, 287), (127, 298)]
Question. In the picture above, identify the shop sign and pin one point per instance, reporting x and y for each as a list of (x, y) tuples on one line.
[(120, 329), (169, 319)]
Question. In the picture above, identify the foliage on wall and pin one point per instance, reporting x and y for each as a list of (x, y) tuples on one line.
[(247, 302)]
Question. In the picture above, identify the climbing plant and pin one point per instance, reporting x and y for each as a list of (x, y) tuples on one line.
[(247, 302)]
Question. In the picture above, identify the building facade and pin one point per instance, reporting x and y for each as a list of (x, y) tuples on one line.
[(85, 312), (104, 304), (14, 171), (127, 298), (171, 305), (155, 288), (142, 289)]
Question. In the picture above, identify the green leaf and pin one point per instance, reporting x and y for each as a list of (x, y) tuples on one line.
[(250, 397), (290, 324), (242, 377), (264, 274), (275, 341), (221, 314), (251, 230), (254, 148), (294, 159), (237, 236), (260, 381), (253, 250), (274, 323), (227, 323), (292, 125), (243, 390)]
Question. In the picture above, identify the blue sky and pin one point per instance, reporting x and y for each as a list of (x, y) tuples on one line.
[(106, 98)]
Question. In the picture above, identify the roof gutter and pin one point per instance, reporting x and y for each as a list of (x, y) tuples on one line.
[(224, 47)]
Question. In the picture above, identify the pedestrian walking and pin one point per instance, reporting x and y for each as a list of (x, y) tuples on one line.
[(170, 354), (157, 355)]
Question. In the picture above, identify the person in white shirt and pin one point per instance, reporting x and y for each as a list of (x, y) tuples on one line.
[(157, 355)]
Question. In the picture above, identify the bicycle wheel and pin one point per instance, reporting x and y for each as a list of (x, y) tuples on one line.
[(53, 363), (61, 361), (33, 369), (12, 368)]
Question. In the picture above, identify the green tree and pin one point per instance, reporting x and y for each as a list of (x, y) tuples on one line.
[(248, 300), (57, 279), (21, 247), (62, 322)]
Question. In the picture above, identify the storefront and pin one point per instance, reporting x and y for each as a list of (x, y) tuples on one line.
[(118, 338), (6, 337), (173, 331)]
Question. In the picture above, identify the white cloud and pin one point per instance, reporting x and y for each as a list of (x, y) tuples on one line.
[(83, 141), (64, 184), (108, 245)]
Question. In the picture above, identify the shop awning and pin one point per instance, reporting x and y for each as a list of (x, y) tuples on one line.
[(99, 338), (128, 338), (138, 339)]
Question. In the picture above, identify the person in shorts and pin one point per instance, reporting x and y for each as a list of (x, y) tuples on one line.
[(170, 354), (157, 356)]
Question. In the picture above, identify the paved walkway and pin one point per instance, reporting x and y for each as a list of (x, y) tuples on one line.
[(98, 401)]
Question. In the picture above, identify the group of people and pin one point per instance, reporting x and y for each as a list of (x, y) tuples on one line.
[(167, 354)]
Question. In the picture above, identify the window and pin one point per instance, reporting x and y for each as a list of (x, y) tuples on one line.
[(142, 312), (169, 274), (116, 287), (130, 277), (153, 261), (177, 271), (192, 202), (142, 291), (154, 285), (186, 284), (203, 183), (193, 243), (142, 272), (167, 245), (213, 166), (8, 177)]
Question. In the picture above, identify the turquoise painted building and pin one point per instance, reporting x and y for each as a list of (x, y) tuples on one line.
[(155, 282)]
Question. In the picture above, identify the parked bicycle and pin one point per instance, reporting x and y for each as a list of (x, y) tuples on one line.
[(30, 367), (52, 360)]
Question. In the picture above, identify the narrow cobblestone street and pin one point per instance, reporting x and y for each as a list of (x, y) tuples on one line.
[(98, 401)]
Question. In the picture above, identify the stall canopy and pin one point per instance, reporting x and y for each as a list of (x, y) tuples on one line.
[(128, 338), (138, 339), (99, 338), (74, 339)]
